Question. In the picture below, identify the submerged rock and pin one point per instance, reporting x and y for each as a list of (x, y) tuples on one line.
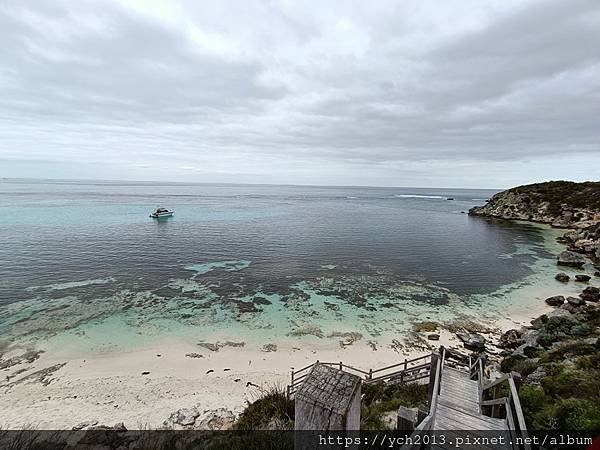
[(425, 327), (348, 338), (572, 259), (562, 277), (583, 278), (269, 348), (556, 300)]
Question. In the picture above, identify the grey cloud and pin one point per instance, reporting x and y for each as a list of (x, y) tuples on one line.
[(266, 86)]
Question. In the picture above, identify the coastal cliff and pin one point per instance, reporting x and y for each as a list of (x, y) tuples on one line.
[(562, 204)]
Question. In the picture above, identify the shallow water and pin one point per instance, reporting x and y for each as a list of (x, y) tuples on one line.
[(84, 265)]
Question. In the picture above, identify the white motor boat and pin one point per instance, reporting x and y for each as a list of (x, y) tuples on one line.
[(160, 213)]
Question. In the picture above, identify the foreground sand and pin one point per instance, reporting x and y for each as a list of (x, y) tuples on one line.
[(110, 388)]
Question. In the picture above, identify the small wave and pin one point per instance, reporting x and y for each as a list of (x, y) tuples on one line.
[(350, 197), (419, 196), (71, 284)]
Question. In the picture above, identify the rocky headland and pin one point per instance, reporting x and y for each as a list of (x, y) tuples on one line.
[(561, 204), (558, 354)]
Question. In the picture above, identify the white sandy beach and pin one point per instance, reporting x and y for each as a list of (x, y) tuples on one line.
[(110, 388)]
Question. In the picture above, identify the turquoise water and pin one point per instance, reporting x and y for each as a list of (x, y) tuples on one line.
[(83, 265)]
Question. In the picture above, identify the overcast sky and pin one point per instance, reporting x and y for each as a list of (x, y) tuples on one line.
[(398, 93)]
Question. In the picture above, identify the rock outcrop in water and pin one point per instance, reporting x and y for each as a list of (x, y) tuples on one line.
[(561, 204)]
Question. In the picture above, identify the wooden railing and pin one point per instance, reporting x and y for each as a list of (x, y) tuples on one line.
[(405, 371), (500, 398), (435, 384)]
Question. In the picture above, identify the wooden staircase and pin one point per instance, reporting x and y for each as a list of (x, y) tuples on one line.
[(458, 405), (462, 399)]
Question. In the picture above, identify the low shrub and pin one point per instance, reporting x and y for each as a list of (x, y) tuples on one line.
[(272, 407)]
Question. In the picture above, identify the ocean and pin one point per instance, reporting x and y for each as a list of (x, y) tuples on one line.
[(82, 264)]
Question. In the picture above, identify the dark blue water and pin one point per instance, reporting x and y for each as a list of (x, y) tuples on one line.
[(63, 232)]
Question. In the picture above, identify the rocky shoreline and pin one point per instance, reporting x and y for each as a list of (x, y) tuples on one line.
[(558, 354), (561, 204)]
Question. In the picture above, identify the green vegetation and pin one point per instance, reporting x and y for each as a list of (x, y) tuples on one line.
[(271, 410), (381, 398), (577, 195), (564, 394)]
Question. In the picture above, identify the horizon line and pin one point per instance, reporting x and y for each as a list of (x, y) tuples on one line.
[(183, 183)]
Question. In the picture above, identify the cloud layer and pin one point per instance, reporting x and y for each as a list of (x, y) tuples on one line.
[(456, 93)]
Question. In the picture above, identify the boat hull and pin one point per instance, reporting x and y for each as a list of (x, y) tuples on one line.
[(161, 215)]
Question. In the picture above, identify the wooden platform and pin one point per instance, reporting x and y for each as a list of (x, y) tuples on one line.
[(458, 404)]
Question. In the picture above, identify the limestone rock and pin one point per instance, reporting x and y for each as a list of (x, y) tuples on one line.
[(583, 278), (82, 425), (183, 417), (575, 301), (511, 339), (536, 376), (571, 259), (215, 419), (472, 341), (590, 294), (556, 300), (562, 277), (538, 322)]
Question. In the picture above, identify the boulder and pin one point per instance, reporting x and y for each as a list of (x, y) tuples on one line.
[(571, 259), (184, 417), (83, 425), (116, 427), (511, 339), (569, 308), (556, 300), (562, 277), (433, 337), (536, 376), (216, 419), (583, 278), (472, 341), (575, 301), (597, 273), (538, 322), (559, 314), (590, 294)]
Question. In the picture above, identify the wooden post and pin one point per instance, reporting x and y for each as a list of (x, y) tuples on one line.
[(432, 374), (407, 418), (341, 366), (517, 379), (370, 374)]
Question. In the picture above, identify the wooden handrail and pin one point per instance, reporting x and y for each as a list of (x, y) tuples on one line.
[(407, 361), (517, 403), (496, 382)]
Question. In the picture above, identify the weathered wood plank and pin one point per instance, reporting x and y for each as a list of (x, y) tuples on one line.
[(459, 418)]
